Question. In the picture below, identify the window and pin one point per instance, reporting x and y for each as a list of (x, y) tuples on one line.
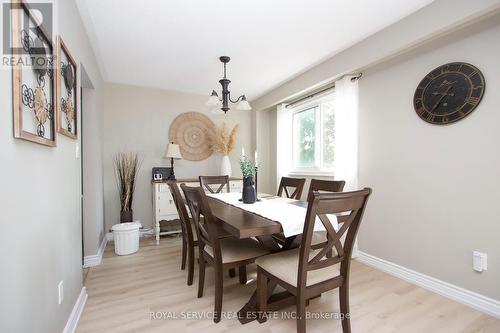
[(314, 136)]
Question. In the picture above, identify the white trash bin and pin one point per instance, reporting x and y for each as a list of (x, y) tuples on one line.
[(126, 237)]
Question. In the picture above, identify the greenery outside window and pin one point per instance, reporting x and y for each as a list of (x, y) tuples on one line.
[(313, 131)]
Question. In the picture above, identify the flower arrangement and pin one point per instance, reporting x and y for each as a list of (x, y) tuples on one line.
[(221, 140), (247, 167)]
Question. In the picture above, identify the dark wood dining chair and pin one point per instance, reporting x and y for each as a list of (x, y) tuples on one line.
[(294, 184), (316, 273), (207, 181), (189, 239), (325, 186), (220, 253)]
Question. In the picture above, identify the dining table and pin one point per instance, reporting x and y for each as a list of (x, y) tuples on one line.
[(242, 223)]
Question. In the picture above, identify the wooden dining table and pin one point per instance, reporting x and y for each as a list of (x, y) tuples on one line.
[(244, 224)]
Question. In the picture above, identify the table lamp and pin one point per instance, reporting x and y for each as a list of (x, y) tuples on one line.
[(172, 152)]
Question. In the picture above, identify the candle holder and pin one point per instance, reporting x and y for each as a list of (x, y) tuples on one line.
[(256, 183)]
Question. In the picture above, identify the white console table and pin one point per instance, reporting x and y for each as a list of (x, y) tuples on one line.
[(163, 204)]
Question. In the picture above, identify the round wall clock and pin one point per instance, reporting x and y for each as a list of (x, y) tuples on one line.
[(449, 93)]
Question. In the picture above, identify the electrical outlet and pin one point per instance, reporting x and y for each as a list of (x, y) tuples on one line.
[(479, 261), (60, 292)]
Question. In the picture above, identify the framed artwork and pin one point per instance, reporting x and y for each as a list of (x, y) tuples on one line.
[(66, 110), (33, 81)]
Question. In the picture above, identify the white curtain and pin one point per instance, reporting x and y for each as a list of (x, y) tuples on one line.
[(283, 142), (346, 132)]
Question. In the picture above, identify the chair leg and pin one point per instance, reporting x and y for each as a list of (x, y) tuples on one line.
[(190, 265), (301, 313), (184, 253), (242, 271), (232, 272), (344, 308), (201, 277), (218, 293), (261, 295)]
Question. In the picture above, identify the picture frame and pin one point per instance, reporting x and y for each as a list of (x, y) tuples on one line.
[(33, 85), (66, 92)]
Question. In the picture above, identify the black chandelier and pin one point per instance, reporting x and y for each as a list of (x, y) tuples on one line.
[(214, 101)]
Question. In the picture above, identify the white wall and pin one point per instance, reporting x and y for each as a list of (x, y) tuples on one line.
[(435, 188), (138, 119), (40, 239)]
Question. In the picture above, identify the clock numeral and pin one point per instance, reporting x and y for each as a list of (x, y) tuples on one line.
[(445, 120), (473, 100), (478, 87), (472, 74), (430, 117)]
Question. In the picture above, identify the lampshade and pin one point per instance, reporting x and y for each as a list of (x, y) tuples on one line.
[(243, 105), (214, 100), (173, 151)]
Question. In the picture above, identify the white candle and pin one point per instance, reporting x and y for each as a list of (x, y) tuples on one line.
[(242, 151), (256, 160)]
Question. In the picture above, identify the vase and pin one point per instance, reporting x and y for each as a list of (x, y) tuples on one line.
[(225, 166), (248, 195), (126, 216)]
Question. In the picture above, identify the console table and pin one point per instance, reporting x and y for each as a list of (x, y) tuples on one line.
[(163, 203)]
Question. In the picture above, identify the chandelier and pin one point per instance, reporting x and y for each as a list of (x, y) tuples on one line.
[(214, 100)]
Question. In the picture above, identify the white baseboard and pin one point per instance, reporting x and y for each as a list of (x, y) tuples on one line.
[(474, 300), (74, 317), (95, 260)]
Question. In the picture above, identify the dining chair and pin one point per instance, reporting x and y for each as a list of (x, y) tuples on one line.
[(296, 184), (220, 253), (222, 181), (324, 186), (316, 273), (189, 239)]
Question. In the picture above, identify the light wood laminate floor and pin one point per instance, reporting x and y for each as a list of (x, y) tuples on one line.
[(123, 291)]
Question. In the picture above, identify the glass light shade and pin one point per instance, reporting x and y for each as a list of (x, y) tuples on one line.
[(173, 151), (214, 100), (243, 105)]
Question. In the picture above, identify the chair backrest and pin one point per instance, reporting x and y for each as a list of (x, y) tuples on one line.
[(350, 204), (206, 181), (204, 221), (297, 185), (187, 231), (325, 185)]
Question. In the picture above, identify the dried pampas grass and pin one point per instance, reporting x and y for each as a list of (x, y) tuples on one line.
[(126, 168), (221, 141)]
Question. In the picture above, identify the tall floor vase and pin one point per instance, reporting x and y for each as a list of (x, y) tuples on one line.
[(225, 166)]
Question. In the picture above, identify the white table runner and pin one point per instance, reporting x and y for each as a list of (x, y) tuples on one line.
[(282, 210)]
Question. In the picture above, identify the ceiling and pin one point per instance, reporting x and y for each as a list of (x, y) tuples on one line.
[(175, 44)]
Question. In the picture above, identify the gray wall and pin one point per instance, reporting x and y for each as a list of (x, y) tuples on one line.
[(435, 187), (40, 209), (138, 119)]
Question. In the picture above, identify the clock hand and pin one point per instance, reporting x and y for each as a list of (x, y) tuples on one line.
[(443, 95)]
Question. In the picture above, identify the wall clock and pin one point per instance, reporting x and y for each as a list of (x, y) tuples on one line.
[(449, 93)]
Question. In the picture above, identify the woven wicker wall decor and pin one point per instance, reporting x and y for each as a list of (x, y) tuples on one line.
[(190, 131)]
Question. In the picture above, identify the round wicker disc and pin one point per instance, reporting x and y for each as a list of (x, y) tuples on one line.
[(190, 131), (40, 105)]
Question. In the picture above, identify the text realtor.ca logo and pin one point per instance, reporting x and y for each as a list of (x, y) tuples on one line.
[(27, 28)]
